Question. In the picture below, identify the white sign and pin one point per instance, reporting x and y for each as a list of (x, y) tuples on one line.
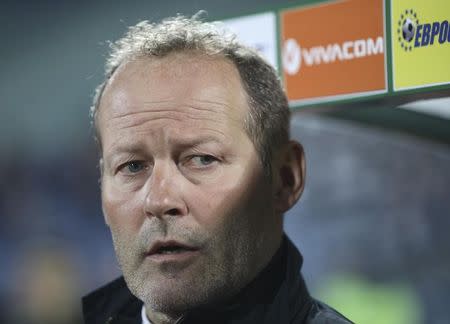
[(257, 31)]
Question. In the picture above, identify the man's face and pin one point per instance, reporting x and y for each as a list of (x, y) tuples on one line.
[(183, 189)]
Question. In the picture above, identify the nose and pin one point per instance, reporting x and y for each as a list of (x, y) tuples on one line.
[(163, 192)]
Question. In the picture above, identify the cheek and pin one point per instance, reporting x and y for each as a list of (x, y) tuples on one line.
[(221, 203), (122, 210)]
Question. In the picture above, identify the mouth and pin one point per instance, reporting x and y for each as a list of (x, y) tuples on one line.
[(170, 249)]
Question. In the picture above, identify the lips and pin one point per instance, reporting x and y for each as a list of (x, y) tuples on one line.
[(169, 247)]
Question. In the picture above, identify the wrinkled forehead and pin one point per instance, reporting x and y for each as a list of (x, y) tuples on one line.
[(175, 77), (201, 93)]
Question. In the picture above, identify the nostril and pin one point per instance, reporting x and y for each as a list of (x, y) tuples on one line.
[(173, 212)]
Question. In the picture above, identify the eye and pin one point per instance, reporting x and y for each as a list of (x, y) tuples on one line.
[(132, 167), (204, 159), (201, 161)]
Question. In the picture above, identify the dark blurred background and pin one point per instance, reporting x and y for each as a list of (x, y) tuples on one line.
[(372, 225)]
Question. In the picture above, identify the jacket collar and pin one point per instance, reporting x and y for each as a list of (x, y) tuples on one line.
[(113, 303), (276, 295)]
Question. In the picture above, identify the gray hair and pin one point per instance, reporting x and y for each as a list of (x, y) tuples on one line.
[(267, 122)]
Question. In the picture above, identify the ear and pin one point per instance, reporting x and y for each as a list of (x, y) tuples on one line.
[(289, 176)]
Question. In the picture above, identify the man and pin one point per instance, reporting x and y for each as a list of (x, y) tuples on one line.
[(197, 171)]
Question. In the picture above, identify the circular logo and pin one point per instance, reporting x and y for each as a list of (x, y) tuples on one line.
[(406, 29), (292, 58)]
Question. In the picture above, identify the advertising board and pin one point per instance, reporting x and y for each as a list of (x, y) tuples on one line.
[(333, 50)]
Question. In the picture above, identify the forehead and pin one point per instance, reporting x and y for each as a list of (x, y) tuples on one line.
[(175, 81)]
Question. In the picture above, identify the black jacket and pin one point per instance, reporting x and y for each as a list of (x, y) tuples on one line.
[(278, 295)]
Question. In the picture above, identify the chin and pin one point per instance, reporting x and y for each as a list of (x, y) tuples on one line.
[(171, 298), (176, 295)]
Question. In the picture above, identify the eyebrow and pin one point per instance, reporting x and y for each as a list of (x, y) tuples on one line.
[(120, 150), (196, 141), (139, 148)]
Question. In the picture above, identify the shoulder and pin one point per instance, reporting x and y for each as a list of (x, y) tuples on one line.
[(109, 301), (320, 313)]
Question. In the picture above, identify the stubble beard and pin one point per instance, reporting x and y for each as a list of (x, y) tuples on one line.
[(222, 271)]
